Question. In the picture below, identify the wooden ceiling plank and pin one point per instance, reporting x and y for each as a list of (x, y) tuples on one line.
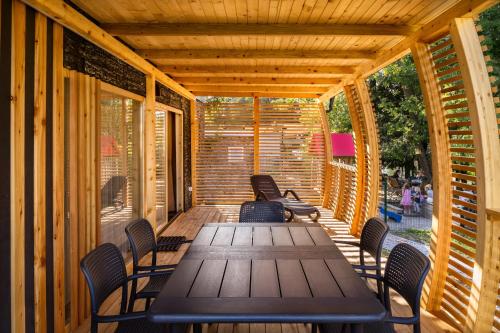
[(254, 54), (216, 29), (257, 89), (250, 94), (259, 69), (241, 80)]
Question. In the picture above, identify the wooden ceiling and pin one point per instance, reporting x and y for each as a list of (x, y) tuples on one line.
[(273, 47)]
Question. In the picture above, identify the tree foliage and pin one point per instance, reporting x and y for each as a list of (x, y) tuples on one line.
[(339, 120), (490, 24)]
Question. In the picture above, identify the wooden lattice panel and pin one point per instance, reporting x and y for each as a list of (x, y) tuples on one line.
[(224, 152), (161, 167), (292, 148), (457, 290), (343, 191)]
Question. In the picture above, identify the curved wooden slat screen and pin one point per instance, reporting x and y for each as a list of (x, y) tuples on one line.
[(367, 154), (236, 140), (292, 148), (342, 196), (459, 281)]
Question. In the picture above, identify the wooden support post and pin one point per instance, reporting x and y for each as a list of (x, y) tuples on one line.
[(372, 149), (441, 169), (194, 147), (58, 143), (17, 277), (485, 133), (149, 188), (328, 156), (360, 159), (40, 115), (256, 135)]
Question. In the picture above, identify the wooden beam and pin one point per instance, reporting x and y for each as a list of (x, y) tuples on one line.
[(256, 135), (166, 54), (194, 147), (253, 94), (487, 148), (58, 144), (18, 84), (150, 153), (328, 155), (236, 80), (213, 70), (65, 15), (204, 29), (441, 169), (257, 89)]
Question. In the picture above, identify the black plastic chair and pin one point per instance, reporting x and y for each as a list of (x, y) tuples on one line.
[(371, 241), (265, 188), (105, 272), (262, 211), (142, 240), (405, 273)]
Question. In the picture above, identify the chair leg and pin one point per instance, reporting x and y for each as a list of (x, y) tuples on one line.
[(314, 328), (197, 328), (148, 303), (131, 302)]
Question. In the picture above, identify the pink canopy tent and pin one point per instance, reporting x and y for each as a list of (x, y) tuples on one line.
[(342, 145)]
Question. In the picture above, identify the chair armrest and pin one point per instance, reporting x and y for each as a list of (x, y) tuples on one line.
[(121, 317), (347, 242), (371, 276), (293, 193), (148, 274), (261, 194), (366, 267), (401, 320), (156, 267)]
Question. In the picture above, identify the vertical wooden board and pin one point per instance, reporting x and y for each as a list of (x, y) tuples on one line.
[(293, 282), (194, 145), (17, 301), (209, 279), (40, 114), (256, 135), (205, 236), (441, 166), (281, 236), (242, 236), (262, 236), (224, 236), (149, 207), (300, 236), (241, 328), (320, 278), (319, 236), (179, 162), (58, 143), (236, 281), (328, 156), (264, 282)]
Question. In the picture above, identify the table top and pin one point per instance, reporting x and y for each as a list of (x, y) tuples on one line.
[(264, 273)]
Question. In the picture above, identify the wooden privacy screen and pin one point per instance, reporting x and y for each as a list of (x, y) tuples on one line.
[(236, 140), (342, 195), (292, 148), (463, 283)]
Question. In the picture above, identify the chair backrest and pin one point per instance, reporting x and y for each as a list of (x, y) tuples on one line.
[(104, 270), (266, 185), (110, 190), (262, 211), (405, 272), (142, 240), (372, 237)]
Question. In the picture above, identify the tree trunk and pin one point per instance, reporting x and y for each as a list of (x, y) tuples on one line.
[(424, 164)]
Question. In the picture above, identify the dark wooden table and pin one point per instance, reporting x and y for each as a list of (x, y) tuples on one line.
[(265, 273)]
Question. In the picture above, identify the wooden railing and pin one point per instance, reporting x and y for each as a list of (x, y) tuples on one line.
[(342, 194)]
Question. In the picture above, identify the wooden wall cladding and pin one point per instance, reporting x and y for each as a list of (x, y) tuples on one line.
[(236, 140), (342, 196)]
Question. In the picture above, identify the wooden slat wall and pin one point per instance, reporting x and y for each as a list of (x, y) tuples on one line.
[(283, 140), (225, 152), (342, 196), (292, 148)]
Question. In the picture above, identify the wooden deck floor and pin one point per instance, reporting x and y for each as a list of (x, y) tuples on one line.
[(189, 223)]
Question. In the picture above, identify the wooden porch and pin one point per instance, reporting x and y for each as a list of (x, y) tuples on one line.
[(190, 222)]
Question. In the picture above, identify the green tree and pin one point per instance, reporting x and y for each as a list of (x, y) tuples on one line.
[(339, 119), (489, 21)]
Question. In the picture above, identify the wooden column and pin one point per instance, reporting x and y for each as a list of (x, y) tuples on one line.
[(328, 156), (485, 132), (441, 169), (58, 144), (194, 145), (17, 301), (360, 158), (372, 149), (149, 188), (256, 135), (40, 116)]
